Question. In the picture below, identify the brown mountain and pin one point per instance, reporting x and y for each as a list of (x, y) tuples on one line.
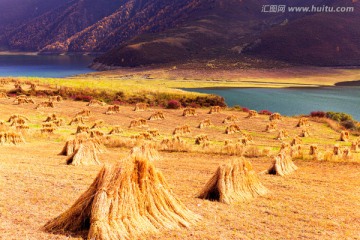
[(143, 32), (324, 39)]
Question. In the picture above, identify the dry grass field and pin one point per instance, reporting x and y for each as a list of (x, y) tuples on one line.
[(321, 200)]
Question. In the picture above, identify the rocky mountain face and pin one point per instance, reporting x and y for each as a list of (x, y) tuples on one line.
[(143, 32)]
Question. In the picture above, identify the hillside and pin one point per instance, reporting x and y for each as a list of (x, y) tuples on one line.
[(323, 39), (137, 33)]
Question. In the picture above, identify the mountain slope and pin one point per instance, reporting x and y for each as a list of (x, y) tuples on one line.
[(57, 25), (324, 39)]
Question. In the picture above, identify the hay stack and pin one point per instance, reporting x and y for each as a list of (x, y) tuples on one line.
[(98, 124), (10, 137), (283, 134), (116, 130), (205, 123), (313, 149), (296, 151), (95, 102), (141, 107), (303, 122), (96, 133), (17, 119), (282, 165), (84, 155), (201, 139), (3, 126), (157, 116), (23, 99), (48, 130), (57, 98), (246, 139), (82, 129), (129, 200), (174, 144), (140, 122), (271, 127), (51, 118), (233, 128), (73, 144), (355, 145), (83, 113), (77, 120), (233, 182), (189, 112), (215, 109), (252, 113), (296, 141), (147, 151), (112, 110), (344, 136), (181, 130), (154, 132), (304, 133), (275, 116), (230, 119), (4, 95), (46, 104), (231, 148)]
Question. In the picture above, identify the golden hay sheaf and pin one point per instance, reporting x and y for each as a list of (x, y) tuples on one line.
[(205, 123), (233, 182), (112, 109), (355, 145), (23, 99), (153, 132), (45, 104), (189, 112), (283, 164), (344, 136), (83, 113), (304, 133), (233, 128), (202, 140), (157, 116), (141, 107), (116, 130), (252, 113), (128, 200), (98, 124), (10, 137), (147, 151), (73, 144), (77, 120), (230, 119), (48, 130), (271, 127), (95, 102), (140, 122), (85, 154), (82, 129), (4, 95), (174, 144), (215, 109), (57, 98), (275, 116), (182, 130), (283, 134), (94, 133), (303, 122)]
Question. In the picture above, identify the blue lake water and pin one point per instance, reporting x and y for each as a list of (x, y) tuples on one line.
[(43, 66), (292, 101)]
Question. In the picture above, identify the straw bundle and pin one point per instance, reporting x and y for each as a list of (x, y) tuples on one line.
[(141, 122), (233, 128), (181, 130), (230, 119), (215, 109), (157, 116), (233, 182), (95, 102), (129, 200), (112, 110), (189, 112), (116, 130), (83, 113), (303, 122), (344, 136), (271, 127), (252, 113), (57, 98), (46, 104), (275, 116), (205, 123), (141, 107), (84, 155), (11, 138), (283, 164)]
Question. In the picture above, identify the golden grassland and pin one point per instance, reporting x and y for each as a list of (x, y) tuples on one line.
[(321, 200), (169, 81)]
